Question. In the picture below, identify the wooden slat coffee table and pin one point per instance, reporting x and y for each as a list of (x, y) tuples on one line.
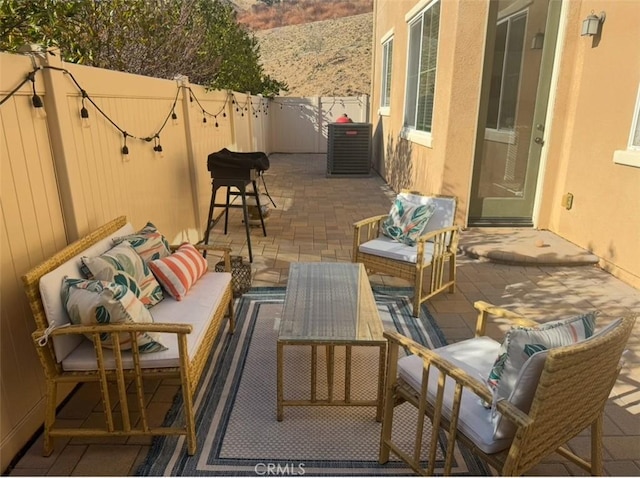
[(330, 304)]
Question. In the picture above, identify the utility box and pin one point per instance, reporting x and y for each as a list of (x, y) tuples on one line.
[(349, 149)]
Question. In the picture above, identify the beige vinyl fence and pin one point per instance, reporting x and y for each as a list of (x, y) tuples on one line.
[(61, 178)]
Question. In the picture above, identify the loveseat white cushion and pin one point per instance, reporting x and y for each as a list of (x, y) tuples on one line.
[(195, 309), (51, 283)]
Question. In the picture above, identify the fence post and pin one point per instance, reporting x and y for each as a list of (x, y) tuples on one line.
[(232, 119), (60, 125), (183, 82)]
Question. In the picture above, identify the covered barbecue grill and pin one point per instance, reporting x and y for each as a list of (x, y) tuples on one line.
[(233, 169), (235, 165)]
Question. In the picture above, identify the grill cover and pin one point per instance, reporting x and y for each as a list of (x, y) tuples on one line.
[(232, 164)]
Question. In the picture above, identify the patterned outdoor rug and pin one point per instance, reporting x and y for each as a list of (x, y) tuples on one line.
[(238, 434)]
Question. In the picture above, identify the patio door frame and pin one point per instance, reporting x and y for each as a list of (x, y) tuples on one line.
[(482, 211)]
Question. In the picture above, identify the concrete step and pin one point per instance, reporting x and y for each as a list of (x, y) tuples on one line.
[(523, 246)]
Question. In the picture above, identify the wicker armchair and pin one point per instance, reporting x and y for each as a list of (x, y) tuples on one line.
[(571, 387), (436, 246)]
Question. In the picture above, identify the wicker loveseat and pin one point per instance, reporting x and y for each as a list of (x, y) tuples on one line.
[(188, 329)]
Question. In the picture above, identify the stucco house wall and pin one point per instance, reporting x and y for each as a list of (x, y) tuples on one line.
[(590, 117)]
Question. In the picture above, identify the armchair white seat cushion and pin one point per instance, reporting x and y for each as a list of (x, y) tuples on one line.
[(477, 421), (384, 246)]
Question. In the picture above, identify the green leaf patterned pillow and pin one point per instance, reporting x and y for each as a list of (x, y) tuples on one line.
[(407, 220), (520, 343), (148, 243), (92, 302), (123, 265)]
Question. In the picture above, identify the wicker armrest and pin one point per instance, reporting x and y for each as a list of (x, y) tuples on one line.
[(208, 247), (118, 328), (41, 336), (203, 247), (486, 309), (369, 221), (447, 369), (366, 230), (431, 236)]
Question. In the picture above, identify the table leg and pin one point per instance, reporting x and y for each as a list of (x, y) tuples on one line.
[(381, 381), (279, 381), (314, 371), (347, 374), (330, 368)]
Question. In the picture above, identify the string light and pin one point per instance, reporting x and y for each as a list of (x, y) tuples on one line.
[(84, 112), (157, 147), (36, 101), (125, 148), (39, 110)]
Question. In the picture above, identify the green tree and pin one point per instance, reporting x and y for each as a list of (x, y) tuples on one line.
[(198, 38)]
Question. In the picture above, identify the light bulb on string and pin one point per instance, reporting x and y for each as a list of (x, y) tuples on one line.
[(125, 148), (38, 106), (84, 117), (157, 146), (216, 119), (174, 118), (84, 112)]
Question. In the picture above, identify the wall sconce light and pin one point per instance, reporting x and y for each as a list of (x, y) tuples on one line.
[(537, 42), (591, 24)]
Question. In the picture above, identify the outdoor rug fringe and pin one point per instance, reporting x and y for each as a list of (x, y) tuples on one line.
[(238, 434)]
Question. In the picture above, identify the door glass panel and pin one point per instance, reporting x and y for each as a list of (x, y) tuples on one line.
[(516, 94)]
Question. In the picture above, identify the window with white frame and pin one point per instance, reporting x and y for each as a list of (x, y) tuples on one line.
[(505, 78), (421, 68), (634, 137), (631, 155), (387, 55)]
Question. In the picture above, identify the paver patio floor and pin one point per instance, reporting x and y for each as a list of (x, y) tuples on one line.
[(312, 222)]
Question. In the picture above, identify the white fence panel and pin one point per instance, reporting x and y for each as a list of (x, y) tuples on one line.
[(300, 125)]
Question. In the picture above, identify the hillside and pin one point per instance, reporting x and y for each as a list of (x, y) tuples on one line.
[(322, 58)]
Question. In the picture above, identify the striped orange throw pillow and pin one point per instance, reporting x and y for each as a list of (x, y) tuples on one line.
[(178, 272)]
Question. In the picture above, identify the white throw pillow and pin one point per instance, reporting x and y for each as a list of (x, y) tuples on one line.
[(520, 343)]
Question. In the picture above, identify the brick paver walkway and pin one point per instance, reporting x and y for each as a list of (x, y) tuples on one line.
[(312, 222)]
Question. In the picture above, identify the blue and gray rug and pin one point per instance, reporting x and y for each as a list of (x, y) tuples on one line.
[(238, 434)]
